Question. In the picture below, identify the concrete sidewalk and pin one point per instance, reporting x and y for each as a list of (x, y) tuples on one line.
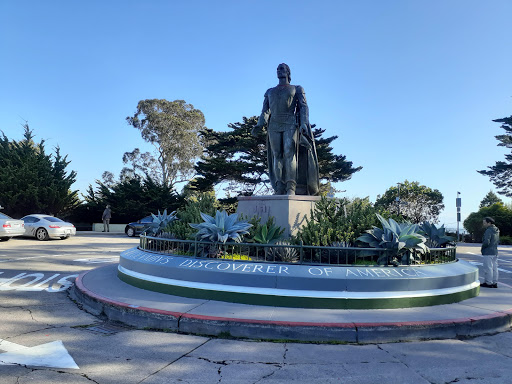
[(102, 293)]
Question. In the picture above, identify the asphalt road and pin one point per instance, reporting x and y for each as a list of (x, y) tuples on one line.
[(471, 253), (46, 338)]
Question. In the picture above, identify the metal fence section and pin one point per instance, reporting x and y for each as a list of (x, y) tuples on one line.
[(294, 254)]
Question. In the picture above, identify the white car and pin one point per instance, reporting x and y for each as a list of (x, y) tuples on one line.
[(10, 227), (44, 227)]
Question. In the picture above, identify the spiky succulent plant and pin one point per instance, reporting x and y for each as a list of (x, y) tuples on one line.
[(403, 240), (159, 224), (268, 233), (221, 228), (285, 254), (436, 237)]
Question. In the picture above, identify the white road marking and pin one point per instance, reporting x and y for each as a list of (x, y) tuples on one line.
[(6, 284), (52, 354), (499, 269), (30, 257), (98, 260)]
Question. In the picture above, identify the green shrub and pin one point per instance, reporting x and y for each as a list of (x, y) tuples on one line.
[(506, 240), (339, 221), (267, 233), (191, 214), (498, 211)]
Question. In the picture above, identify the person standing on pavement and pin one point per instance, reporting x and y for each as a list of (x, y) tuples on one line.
[(107, 214), (490, 253)]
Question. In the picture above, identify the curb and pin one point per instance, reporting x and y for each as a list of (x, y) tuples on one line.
[(362, 333)]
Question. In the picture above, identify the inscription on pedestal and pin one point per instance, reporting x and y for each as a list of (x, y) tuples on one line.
[(261, 210), (289, 212)]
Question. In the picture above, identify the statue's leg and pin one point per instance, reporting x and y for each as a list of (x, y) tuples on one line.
[(290, 159), (276, 148)]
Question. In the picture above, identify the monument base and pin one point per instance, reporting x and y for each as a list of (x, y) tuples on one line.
[(289, 212), (299, 285)]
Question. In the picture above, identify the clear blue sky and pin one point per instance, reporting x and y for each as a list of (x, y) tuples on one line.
[(410, 87)]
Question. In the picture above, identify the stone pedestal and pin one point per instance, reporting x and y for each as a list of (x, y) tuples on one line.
[(289, 212)]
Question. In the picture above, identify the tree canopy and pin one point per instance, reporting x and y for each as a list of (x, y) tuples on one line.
[(417, 202), (238, 157), (501, 173), (32, 181), (130, 199), (499, 212), (172, 127), (490, 199)]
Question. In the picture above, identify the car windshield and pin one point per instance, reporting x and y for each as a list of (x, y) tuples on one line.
[(147, 219), (2, 216), (53, 219)]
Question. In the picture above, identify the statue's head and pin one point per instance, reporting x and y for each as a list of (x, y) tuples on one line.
[(284, 67)]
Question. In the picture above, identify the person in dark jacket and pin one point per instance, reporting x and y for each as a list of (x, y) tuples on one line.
[(490, 253), (107, 215)]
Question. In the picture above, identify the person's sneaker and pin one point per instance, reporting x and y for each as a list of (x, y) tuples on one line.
[(494, 285), (485, 285)]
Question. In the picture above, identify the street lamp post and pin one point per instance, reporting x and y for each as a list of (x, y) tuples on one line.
[(458, 205), (398, 198)]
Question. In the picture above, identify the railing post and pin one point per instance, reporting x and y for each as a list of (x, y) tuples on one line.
[(301, 257)]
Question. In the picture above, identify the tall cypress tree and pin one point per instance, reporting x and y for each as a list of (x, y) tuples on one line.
[(501, 173), (238, 157), (130, 199), (32, 181)]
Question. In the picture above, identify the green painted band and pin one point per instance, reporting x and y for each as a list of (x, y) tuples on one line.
[(298, 302)]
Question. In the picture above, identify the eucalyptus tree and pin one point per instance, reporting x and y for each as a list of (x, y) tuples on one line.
[(416, 203), (172, 127)]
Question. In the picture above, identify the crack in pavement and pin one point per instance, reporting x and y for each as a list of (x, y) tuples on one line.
[(400, 361), (37, 330), (279, 366), (172, 362)]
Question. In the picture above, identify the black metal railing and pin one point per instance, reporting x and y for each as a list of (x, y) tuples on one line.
[(293, 254)]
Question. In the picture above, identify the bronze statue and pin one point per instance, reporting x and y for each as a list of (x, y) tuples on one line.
[(291, 152)]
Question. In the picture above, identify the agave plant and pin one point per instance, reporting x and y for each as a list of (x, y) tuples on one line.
[(268, 233), (404, 240), (436, 237), (221, 228), (160, 223), (285, 254)]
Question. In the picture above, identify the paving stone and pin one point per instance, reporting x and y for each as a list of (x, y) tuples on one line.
[(500, 343), (445, 361), (187, 370), (234, 350), (49, 376), (335, 354)]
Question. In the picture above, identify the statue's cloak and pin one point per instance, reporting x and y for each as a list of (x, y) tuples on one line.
[(307, 165)]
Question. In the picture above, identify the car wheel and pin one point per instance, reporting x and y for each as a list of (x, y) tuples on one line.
[(130, 231), (42, 234), (4, 238)]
